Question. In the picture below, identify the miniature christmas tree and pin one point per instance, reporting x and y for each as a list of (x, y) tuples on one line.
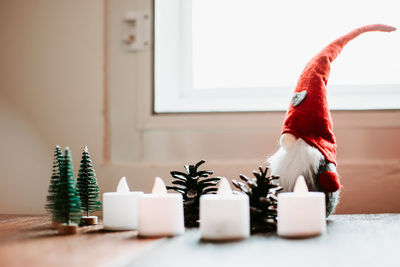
[(54, 182), (88, 188), (262, 193), (192, 185), (67, 202)]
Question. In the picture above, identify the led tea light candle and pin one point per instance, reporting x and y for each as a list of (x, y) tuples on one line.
[(224, 215), (301, 213), (160, 213), (120, 208)]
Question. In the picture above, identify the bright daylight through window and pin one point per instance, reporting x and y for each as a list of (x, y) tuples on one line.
[(224, 55)]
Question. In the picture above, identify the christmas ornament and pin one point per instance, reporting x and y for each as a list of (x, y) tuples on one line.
[(262, 192), (192, 185), (67, 202), (308, 145), (54, 182), (88, 189)]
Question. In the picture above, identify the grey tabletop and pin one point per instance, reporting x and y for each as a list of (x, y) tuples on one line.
[(350, 240)]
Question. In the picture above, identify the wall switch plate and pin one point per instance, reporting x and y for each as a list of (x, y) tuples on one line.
[(136, 30)]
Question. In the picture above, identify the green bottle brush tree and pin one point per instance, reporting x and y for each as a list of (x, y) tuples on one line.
[(53, 186), (67, 202), (88, 189)]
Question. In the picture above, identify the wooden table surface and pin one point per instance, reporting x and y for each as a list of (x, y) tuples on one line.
[(350, 240), (31, 241)]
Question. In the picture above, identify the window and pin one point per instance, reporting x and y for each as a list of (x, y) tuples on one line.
[(224, 55)]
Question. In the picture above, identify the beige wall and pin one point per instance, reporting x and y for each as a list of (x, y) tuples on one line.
[(51, 89), (51, 92)]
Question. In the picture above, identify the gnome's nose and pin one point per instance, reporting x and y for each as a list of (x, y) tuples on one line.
[(287, 141)]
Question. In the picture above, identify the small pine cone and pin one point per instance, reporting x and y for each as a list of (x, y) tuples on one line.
[(262, 192), (192, 185)]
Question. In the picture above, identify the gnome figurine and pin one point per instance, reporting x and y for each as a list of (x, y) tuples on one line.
[(307, 142)]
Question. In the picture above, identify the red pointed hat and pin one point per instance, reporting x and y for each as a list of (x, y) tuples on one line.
[(308, 116)]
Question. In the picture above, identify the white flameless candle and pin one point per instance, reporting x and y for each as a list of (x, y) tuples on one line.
[(160, 213), (120, 208), (301, 213), (224, 215)]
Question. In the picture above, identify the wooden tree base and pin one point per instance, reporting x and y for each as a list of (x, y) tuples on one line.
[(89, 220), (68, 229), (55, 224)]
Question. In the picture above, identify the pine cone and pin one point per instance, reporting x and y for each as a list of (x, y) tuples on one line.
[(262, 193), (192, 185)]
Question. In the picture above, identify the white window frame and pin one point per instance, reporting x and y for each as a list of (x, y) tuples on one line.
[(133, 127), (174, 93)]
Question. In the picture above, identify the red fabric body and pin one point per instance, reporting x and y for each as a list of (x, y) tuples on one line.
[(311, 119), (329, 181)]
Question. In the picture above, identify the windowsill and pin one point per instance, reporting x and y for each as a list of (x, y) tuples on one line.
[(265, 120), (340, 98)]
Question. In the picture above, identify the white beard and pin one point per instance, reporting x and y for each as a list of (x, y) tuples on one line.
[(300, 159)]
